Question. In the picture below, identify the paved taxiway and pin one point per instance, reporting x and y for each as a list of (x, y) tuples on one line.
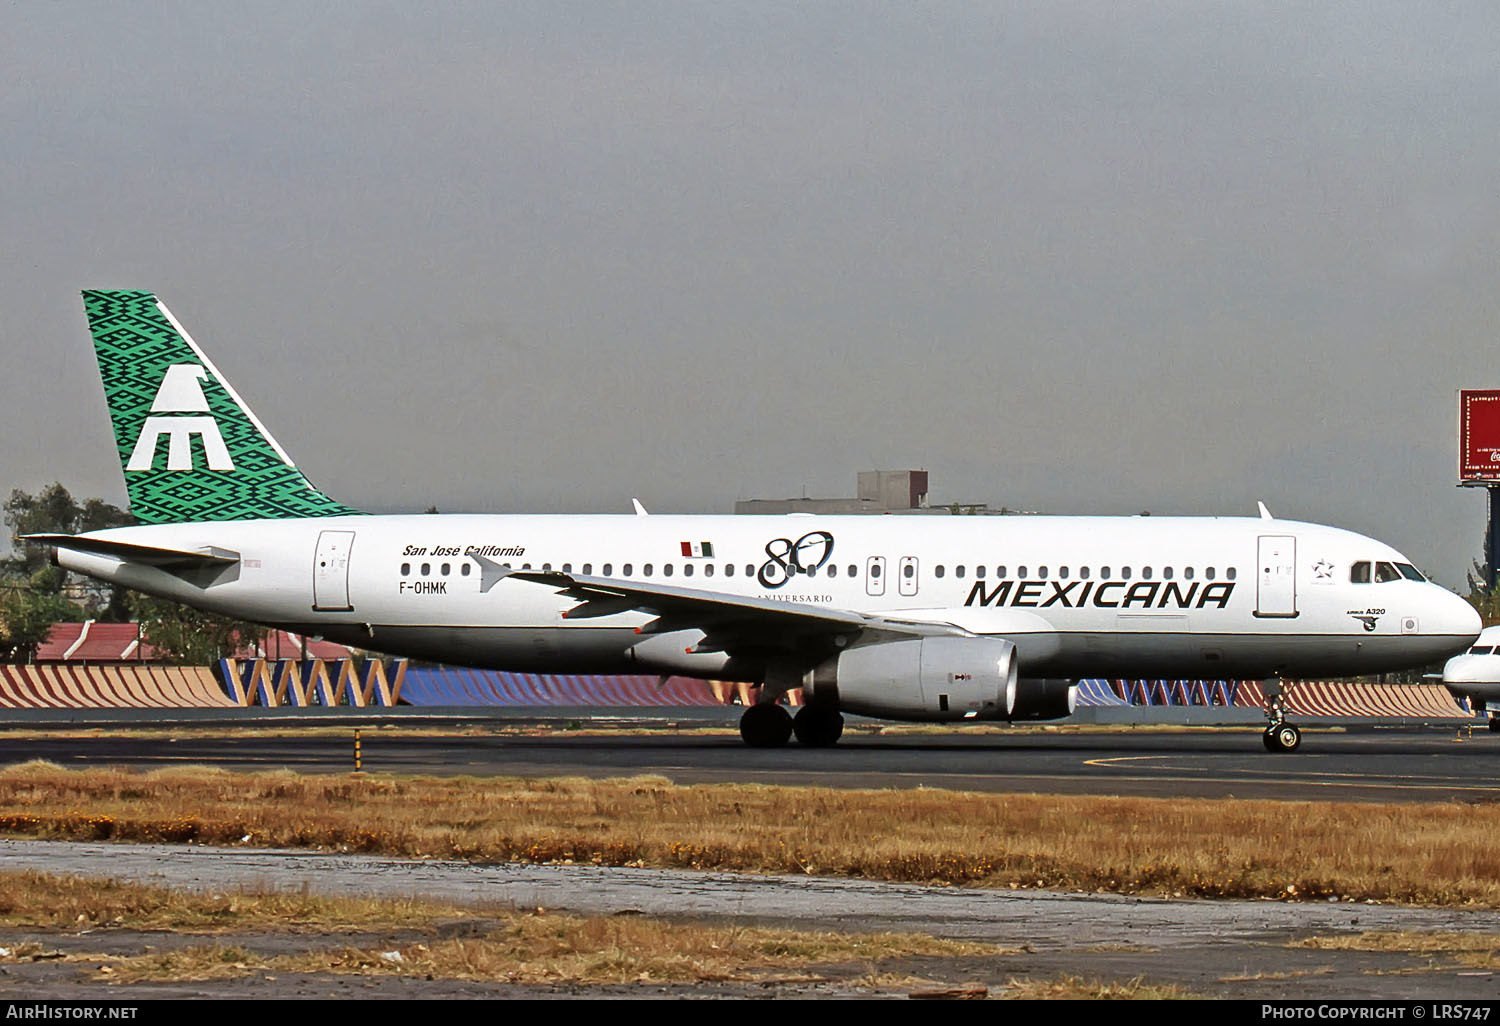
[(1242, 949), (1409, 764)]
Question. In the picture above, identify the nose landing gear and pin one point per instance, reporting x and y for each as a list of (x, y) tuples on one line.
[(1280, 736)]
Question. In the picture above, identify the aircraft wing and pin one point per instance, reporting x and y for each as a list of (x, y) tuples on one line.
[(173, 560), (728, 621)]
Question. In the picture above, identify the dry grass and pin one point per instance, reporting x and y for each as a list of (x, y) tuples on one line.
[(1474, 950), (1075, 988), (512, 946), (42, 900), (1411, 853), (565, 949)]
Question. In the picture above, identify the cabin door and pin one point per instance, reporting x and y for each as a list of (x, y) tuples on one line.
[(331, 570), (1276, 576)]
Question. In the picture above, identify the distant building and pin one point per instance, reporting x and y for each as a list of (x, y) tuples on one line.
[(880, 491)]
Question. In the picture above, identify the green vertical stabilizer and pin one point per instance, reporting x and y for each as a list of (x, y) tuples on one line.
[(190, 448)]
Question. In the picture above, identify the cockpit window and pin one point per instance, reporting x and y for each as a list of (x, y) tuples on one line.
[(1482, 650), (1359, 573), (1410, 572), (1386, 572)]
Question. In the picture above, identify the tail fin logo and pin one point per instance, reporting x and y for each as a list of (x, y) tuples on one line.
[(180, 392)]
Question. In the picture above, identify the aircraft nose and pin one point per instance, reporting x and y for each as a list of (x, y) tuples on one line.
[(1457, 618)]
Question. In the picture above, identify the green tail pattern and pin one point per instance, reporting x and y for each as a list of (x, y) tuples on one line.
[(189, 448)]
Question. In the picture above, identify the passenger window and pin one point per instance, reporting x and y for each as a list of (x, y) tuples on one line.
[(908, 571), (937, 571), (687, 569), (1104, 571), (749, 569), (1230, 574), (728, 569), (627, 570), (853, 570), (405, 569), (1187, 573), (1020, 571), (708, 569), (588, 569), (1083, 571), (446, 568), (609, 569), (999, 571), (666, 569), (646, 570), (1062, 572), (874, 570), (1166, 573), (546, 568), (1125, 572), (833, 571), (465, 569), (958, 571), (426, 569), (1041, 571), (979, 571), (1145, 573), (1386, 572), (1359, 573), (1208, 574), (567, 568)]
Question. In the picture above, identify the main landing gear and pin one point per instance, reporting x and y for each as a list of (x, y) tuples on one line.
[(1280, 736), (767, 725)]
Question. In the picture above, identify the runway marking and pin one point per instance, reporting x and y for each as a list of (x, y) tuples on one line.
[(1304, 779)]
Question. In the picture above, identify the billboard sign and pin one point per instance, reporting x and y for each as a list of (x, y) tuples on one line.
[(1479, 436)]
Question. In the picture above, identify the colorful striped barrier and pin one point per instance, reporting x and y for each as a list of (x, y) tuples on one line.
[(110, 687), (315, 682)]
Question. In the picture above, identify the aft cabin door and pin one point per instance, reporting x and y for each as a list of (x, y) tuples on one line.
[(331, 570), (1276, 576)]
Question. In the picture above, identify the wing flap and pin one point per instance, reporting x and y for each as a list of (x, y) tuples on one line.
[(727, 620)]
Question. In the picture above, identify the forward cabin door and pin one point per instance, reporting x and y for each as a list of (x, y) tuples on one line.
[(1276, 576), (331, 570)]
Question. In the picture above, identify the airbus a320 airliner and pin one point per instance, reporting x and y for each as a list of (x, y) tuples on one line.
[(902, 617)]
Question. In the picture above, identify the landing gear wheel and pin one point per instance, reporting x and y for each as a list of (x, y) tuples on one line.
[(1282, 738), (766, 726), (818, 727)]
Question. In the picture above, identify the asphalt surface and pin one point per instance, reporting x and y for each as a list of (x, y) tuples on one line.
[(1219, 948), (1358, 764)]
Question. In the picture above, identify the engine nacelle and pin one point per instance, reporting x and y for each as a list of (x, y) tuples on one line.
[(934, 679), (1044, 698)]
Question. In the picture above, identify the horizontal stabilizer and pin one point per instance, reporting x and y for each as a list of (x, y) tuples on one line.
[(154, 555)]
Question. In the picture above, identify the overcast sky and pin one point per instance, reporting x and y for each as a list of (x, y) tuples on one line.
[(507, 257)]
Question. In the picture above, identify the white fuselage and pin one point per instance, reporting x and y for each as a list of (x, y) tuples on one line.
[(1196, 597)]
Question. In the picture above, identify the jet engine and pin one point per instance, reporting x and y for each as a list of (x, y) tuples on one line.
[(1044, 698), (935, 679)]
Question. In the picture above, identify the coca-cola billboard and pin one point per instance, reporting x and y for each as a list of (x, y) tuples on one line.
[(1479, 436)]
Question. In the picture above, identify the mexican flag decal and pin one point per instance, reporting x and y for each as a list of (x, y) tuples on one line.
[(698, 550)]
